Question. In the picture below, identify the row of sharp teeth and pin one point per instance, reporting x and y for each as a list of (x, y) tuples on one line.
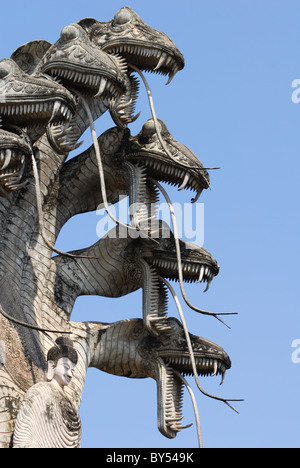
[(124, 110), (162, 58), (122, 64), (101, 83), (202, 272), (126, 106), (21, 109), (7, 156), (11, 178), (42, 109), (65, 138), (173, 409), (61, 110), (205, 366), (182, 178)]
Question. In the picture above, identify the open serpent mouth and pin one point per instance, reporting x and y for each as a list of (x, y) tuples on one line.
[(210, 359), (179, 167), (142, 46), (170, 388), (159, 264), (97, 81), (205, 366), (36, 113), (32, 101), (94, 84), (177, 177), (77, 64), (13, 154), (192, 272), (11, 162), (147, 58)]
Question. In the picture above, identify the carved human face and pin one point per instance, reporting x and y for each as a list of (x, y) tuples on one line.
[(63, 372)]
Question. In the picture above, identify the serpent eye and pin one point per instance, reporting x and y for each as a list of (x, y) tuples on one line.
[(69, 33), (123, 16), (175, 325), (149, 128)]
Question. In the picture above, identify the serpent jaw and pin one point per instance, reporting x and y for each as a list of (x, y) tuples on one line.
[(32, 101), (79, 65), (35, 103), (128, 36), (14, 152), (169, 354), (127, 349), (183, 170), (159, 261)]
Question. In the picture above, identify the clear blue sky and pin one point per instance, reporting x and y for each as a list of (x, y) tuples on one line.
[(232, 106)]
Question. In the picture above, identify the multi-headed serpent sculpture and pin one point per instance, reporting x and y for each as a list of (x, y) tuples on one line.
[(49, 95)]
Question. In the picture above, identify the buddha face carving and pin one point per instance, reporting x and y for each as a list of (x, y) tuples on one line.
[(62, 372), (62, 360)]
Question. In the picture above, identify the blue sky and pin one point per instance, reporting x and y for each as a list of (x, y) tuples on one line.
[(232, 105)]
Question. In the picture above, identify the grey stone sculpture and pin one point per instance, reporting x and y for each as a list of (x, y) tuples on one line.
[(49, 95)]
